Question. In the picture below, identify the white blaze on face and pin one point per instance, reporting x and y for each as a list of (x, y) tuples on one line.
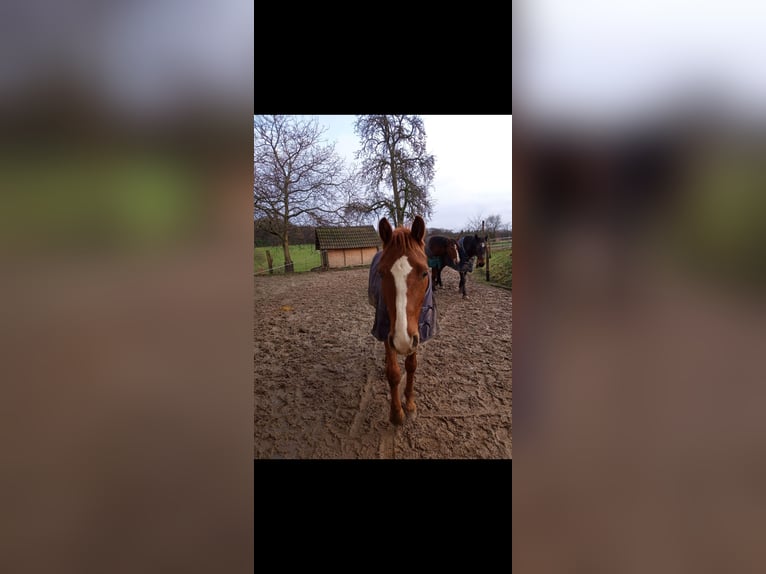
[(400, 269)]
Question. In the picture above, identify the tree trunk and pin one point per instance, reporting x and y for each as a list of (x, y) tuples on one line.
[(397, 211), (288, 260), (286, 237), (403, 208)]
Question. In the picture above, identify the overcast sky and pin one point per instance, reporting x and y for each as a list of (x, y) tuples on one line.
[(601, 59), (473, 163)]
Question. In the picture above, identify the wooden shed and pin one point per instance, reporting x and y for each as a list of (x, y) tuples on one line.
[(347, 246)]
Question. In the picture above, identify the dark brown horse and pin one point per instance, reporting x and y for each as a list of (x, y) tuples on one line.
[(468, 246), (405, 312), (441, 251)]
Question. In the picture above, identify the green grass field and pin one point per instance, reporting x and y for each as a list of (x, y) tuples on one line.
[(500, 269), (107, 200), (305, 257)]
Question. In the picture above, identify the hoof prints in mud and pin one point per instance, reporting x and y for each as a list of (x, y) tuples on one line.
[(320, 387)]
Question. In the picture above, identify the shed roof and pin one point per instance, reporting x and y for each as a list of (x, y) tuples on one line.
[(354, 237)]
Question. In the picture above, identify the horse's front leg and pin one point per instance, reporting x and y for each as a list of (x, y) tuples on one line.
[(394, 375), (410, 364), (461, 288)]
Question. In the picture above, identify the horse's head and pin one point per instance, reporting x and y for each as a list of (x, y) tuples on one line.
[(481, 249), (453, 251), (404, 280)]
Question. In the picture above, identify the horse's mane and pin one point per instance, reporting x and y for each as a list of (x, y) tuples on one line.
[(403, 240)]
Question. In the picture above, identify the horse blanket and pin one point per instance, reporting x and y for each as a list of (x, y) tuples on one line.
[(466, 263), (428, 323)]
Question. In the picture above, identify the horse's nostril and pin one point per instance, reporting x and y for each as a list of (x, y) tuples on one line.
[(391, 340), (414, 341)]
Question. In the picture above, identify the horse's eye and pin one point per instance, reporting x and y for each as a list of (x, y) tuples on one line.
[(425, 273)]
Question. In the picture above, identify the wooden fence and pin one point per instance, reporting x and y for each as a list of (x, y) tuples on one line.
[(500, 243)]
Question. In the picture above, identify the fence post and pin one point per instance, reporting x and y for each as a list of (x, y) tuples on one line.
[(489, 254), (488, 251), (271, 263)]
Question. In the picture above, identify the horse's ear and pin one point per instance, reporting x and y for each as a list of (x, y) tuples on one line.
[(385, 231), (418, 230)]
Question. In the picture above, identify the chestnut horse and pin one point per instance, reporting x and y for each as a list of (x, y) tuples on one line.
[(405, 312)]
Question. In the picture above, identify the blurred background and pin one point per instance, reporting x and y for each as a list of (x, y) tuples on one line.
[(126, 291), (640, 194)]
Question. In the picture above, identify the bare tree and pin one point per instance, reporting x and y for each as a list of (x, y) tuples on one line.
[(473, 225), (493, 223), (356, 209), (296, 179), (395, 167)]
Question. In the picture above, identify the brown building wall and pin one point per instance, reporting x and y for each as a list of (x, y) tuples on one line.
[(353, 257), (335, 258), (350, 257), (367, 254)]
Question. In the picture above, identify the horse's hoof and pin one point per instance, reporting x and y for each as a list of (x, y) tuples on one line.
[(397, 418), (412, 410)]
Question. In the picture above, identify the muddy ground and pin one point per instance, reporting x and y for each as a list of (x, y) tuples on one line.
[(320, 386)]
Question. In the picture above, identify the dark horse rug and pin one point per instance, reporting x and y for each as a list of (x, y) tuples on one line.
[(428, 322)]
